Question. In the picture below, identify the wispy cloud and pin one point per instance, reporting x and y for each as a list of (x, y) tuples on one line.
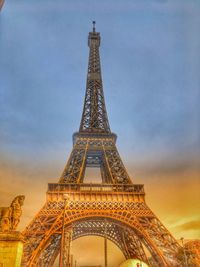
[(192, 225)]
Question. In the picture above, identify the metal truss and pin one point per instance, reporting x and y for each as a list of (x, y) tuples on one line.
[(94, 117), (113, 231), (93, 203), (97, 151), (110, 229), (115, 209)]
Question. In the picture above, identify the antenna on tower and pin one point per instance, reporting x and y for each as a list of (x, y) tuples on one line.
[(94, 23)]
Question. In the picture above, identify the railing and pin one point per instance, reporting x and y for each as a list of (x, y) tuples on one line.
[(134, 188)]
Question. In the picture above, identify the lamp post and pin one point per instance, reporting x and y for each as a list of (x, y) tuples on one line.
[(62, 243), (105, 251), (106, 246), (184, 252)]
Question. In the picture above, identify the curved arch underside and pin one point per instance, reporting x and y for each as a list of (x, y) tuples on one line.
[(128, 231), (123, 237)]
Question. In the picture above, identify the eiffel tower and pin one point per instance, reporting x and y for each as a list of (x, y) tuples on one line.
[(114, 209)]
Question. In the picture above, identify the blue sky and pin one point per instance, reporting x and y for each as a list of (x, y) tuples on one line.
[(150, 65), (150, 56)]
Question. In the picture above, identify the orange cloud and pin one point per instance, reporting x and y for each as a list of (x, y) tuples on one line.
[(192, 225)]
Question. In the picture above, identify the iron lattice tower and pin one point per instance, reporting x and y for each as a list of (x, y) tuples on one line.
[(74, 208)]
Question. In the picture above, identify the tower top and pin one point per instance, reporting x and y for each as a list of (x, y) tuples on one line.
[(94, 116), (94, 37)]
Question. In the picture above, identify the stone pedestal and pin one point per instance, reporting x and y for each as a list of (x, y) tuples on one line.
[(11, 249)]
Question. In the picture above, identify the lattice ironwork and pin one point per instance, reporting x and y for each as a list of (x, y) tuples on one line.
[(94, 117), (115, 204), (95, 152), (126, 208)]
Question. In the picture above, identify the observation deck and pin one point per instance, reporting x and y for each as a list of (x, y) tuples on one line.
[(77, 191), (92, 187)]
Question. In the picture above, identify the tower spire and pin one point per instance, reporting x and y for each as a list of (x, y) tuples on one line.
[(94, 23), (94, 116)]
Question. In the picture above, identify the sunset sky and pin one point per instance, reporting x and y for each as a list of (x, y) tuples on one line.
[(150, 57)]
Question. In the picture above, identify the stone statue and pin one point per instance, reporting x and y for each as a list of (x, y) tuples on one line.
[(10, 216)]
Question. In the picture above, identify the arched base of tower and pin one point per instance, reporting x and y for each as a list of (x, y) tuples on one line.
[(121, 216)]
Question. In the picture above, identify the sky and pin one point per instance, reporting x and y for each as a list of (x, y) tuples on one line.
[(150, 58)]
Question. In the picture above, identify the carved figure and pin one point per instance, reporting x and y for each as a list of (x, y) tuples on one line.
[(5, 215), (10, 216)]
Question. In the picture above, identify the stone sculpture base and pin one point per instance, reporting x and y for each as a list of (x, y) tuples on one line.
[(11, 249)]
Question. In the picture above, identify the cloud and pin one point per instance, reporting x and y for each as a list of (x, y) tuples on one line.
[(192, 225)]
